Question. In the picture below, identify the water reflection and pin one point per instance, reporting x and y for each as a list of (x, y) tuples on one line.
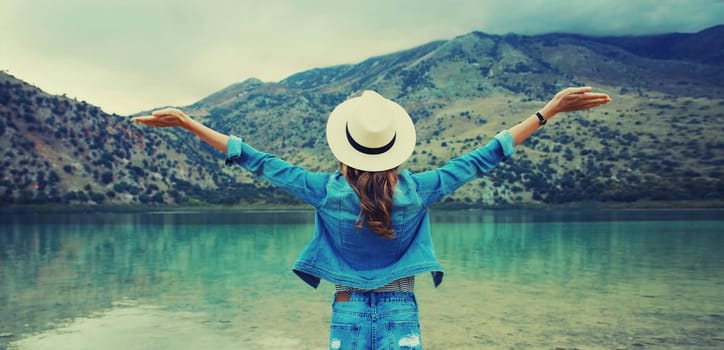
[(235, 267), (606, 252), (53, 267)]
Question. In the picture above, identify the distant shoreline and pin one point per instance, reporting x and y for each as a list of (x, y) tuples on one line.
[(55, 208)]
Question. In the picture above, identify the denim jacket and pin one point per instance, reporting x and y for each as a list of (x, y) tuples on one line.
[(362, 259)]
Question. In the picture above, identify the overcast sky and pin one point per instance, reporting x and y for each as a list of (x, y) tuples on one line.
[(131, 55)]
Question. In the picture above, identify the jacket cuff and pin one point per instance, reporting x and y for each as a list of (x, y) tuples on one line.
[(233, 150), (506, 143)]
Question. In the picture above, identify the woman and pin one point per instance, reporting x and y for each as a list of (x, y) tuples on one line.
[(372, 229)]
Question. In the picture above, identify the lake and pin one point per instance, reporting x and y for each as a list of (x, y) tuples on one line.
[(514, 279)]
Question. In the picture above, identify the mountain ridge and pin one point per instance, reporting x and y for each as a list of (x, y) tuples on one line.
[(459, 92)]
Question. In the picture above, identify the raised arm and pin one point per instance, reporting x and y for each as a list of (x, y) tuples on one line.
[(568, 100), (307, 186), (171, 117)]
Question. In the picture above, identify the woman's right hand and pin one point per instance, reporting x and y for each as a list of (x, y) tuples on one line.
[(164, 118), (169, 117)]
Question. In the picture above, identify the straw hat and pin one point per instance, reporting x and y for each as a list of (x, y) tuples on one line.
[(370, 133)]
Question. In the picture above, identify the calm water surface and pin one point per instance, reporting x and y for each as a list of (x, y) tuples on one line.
[(222, 280)]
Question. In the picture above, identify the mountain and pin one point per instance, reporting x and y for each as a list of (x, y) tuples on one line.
[(58, 150), (660, 140), (706, 46)]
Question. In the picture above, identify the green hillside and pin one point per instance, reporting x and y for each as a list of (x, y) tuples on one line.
[(659, 141)]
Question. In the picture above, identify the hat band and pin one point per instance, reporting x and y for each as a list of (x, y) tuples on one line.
[(368, 150)]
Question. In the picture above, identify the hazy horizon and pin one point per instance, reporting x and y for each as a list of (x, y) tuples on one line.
[(137, 55)]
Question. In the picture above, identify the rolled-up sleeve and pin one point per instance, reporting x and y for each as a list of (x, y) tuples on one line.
[(233, 149), (506, 143)]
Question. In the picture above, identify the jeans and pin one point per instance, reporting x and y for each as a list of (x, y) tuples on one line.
[(375, 320)]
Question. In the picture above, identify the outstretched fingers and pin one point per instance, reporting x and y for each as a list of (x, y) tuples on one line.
[(573, 91), (167, 111), (597, 98), (159, 121), (579, 90), (593, 100), (143, 120)]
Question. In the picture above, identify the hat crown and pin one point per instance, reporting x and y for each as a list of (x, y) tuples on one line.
[(368, 124), (370, 132)]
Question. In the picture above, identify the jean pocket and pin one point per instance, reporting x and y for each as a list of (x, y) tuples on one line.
[(343, 336), (404, 335)]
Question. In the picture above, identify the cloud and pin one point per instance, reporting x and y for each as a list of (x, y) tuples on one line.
[(132, 55), (605, 17)]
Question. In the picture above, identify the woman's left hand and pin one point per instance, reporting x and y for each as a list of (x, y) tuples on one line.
[(574, 99)]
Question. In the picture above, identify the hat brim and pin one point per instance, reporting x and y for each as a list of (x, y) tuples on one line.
[(345, 152)]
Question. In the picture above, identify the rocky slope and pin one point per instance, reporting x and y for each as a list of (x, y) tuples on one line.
[(660, 140)]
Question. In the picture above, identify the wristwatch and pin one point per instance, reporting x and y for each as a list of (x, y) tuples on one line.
[(541, 121)]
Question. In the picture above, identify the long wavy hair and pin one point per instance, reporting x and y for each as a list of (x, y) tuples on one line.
[(375, 190)]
